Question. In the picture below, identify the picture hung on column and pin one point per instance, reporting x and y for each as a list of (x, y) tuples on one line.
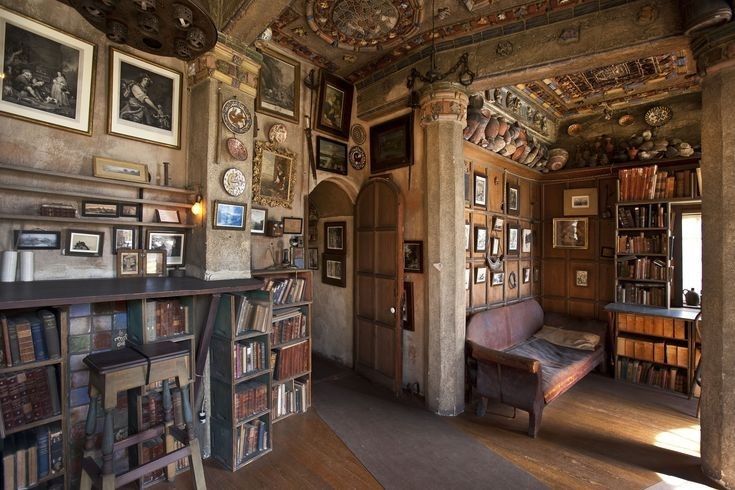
[(258, 219), (273, 175), (334, 108), (413, 256), (280, 82), (391, 144), (331, 155), (512, 200), (48, 75), (144, 100), (229, 215)]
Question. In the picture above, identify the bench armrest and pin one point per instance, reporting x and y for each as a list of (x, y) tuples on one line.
[(521, 363)]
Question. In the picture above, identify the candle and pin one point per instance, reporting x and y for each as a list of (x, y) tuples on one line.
[(26, 265), (10, 264)]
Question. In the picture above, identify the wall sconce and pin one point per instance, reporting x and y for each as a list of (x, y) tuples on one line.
[(196, 208)]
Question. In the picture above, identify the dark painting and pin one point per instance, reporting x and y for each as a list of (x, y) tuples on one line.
[(145, 97), (278, 90)]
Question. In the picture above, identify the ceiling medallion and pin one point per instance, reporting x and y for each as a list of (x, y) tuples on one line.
[(363, 25)]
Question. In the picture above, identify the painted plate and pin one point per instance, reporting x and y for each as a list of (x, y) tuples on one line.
[(626, 120), (236, 149), (658, 116), (278, 133), (358, 134), (574, 129), (236, 116), (234, 182), (357, 158)]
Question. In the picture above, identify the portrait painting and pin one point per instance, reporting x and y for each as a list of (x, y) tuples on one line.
[(273, 175), (391, 143), (280, 82), (335, 105), (570, 233), (47, 75), (581, 278), (171, 242), (331, 156)]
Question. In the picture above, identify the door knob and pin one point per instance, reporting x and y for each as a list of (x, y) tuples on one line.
[(392, 310)]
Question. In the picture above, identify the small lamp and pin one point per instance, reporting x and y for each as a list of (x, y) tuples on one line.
[(196, 208)]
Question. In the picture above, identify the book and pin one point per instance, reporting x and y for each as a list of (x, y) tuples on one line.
[(53, 389), (13, 340), (21, 473), (39, 344), (32, 459), (56, 448), (50, 333), (42, 442), (9, 463), (26, 352)]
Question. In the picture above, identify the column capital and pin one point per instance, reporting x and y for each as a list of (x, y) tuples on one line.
[(714, 49), (234, 68), (443, 101)]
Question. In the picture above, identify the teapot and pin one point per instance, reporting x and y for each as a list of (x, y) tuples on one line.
[(691, 298)]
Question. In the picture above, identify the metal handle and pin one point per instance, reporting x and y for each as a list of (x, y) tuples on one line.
[(393, 310)]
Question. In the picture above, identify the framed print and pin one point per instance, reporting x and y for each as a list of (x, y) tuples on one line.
[(498, 223), (167, 216), (570, 233), (128, 210), (129, 263), (144, 100), (123, 237), (480, 239), (313, 232), (498, 278), (37, 240), (154, 263), (334, 269), (297, 257), (99, 209), (280, 78), (513, 199), (581, 278), (526, 275), (391, 144), (84, 243), (467, 234), (107, 168), (580, 202), (526, 239), (331, 155), (334, 108), (512, 246), (313, 258), (407, 306), (413, 256), (495, 246), (334, 237), (47, 75), (229, 215), (170, 241), (273, 175), (258, 219), (480, 275), (480, 190), (293, 226)]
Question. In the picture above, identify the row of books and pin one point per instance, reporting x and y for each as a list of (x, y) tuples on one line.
[(155, 448), (152, 409), (250, 398), (290, 398), (641, 294), (290, 361), (252, 438), (29, 338), (643, 268), (28, 396), (31, 456), (642, 243), (249, 356), (288, 325), (637, 184), (652, 325), (165, 318), (286, 291), (635, 371), (644, 216), (253, 315), (643, 183), (661, 352)]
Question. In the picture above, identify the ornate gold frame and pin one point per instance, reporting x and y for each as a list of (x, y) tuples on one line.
[(260, 147)]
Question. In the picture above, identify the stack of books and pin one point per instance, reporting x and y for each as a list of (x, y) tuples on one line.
[(29, 338), (251, 439)]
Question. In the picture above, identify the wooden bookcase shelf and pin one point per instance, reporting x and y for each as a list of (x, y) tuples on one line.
[(92, 221)]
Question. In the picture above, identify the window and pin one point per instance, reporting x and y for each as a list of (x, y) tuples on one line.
[(691, 253)]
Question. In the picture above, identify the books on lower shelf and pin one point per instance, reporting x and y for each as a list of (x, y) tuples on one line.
[(290, 361), (641, 294), (636, 371), (659, 352), (286, 290), (288, 325), (290, 398), (642, 243), (27, 338), (32, 456), (250, 398), (252, 438), (249, 356), (643, 268), (643, 216), (165, 318), (29, 396)]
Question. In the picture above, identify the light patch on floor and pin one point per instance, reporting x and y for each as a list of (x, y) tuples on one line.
[(669, 482), (683, 440)]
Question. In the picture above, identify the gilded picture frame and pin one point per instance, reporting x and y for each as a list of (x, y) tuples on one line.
[(273, 175)]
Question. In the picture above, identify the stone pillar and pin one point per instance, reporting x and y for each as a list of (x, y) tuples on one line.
[(443, 114), (715, 53)]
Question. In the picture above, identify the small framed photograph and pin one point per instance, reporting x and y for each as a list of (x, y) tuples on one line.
[(84, 243), (123, 237), (154, 263), (407, 306), (413, 256), (37, 240), (526, 275), (334, 237), (513, 239), (498, 278), (128, 210), (167, 216), (293, 226), (480, 190), (97, 209), (498, 223), (607, 252), (467, 234), (313, 262), (331, 155), (107, 168), (494, 246), (480, 239), (570, 233), (129, 263), (170, 241), (229, 215), (581, 278), (334, 269), (580, 202), (526, 240), (513, 199), (258, 219), (480, 275)]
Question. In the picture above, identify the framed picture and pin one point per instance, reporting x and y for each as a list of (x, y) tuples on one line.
[(513, 199), (334, 269), (331, 155), (334, 237), (527, 238), (48, 75), (129, 263), (467, 275), (229, 215), (498, 223), (37, 240), (480, 275), (498, 278), (280, 79), (273, 175), (495, 246), (580, 202), (570, 233), (167, 216), (84, 243), (107, 168), (480, 190), (467, 187), (313, 232), (313, 258), (526, 275), (391, 144), (413, 256), (335, 105), (154, 263), (581, 278), (170, 241), (128, 210), (144, 100), (99, 209), (297, 257), (258, 219), (480, 239), (467, 234), (407, 306), (293, 226), (607, 252), (513, 240), (124, 237)]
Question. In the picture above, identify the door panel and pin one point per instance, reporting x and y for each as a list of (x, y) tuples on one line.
[(365, 297), (366, 343), (365, 253), (384, 356), (385, 300), (385, 244)]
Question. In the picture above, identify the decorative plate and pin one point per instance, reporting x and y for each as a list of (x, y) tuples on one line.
[(234, 182), (237, 149), (574, 129), (357, 158), (358, 134), (236, 116), (658, 116), (626, 120), (278, 133)]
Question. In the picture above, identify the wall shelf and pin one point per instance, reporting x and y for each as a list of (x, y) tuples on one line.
[(92, 221), (87, 195)]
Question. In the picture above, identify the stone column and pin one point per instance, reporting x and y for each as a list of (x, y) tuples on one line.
[(715, 52), (443, 114)]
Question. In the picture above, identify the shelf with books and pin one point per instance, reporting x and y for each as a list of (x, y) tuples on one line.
[(34, 458)]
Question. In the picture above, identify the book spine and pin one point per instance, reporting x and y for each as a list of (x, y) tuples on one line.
[(39, 345), (26, 351), (51, 333), (53, 389), (13, 340), (42, 441)]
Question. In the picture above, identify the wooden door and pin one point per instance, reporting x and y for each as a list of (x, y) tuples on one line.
[(379, 282)]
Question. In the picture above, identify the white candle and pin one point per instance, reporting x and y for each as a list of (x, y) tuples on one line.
[(26, 265), (10, 264)]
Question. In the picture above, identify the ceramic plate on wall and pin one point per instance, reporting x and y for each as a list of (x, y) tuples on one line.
[(357, 158), (236, 116), (237, 149), (358, 134), (234, 182)]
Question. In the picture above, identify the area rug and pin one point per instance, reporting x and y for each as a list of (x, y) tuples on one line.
[(405, 446)]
